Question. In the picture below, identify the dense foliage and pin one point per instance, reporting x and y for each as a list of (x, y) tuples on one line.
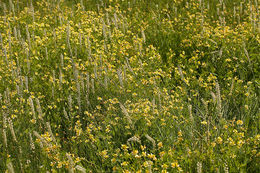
[(129, 86)]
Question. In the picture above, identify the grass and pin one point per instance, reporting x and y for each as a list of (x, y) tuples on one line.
[(129, 86)]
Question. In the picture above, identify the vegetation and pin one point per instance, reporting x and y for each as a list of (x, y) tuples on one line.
[(129, 86)]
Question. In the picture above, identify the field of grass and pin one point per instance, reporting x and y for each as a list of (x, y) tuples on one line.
[(129, 86)]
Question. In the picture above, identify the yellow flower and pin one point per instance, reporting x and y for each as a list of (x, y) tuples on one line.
[(13, 116), (124, 164), (59, 165), (164, 166), (152, 156), (162, 154), (241, 134), (179, 169), (98, 107), (174, 165), (219, 140), (134, 94), (113, 160), (4, 107), (179, 133), (146, 164), (240, 143), (239, 122), (33, 121), (231, 142), (228, 60), (160, 144), (104, 154), (135, 152), (204, 123), (114, 168), (144, 154), (124, 147)]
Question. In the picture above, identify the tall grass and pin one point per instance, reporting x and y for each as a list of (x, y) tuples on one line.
[(129, 86)]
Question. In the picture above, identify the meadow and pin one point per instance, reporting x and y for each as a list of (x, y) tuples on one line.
[(129, 86)]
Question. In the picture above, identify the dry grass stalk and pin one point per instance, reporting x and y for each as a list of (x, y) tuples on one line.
[(199, 167), (39, 109), (4, 130), (81, 169), (50, 132), (219, 107), (70, 102), (4, 137), (125, 113), (78, 95), (213, 96), (42, 140), (205, 107), (190, 112), (31, 142), (71, 163), (232, 87), (93, 85), (12, 129), (133, 139), (65, 114), (151, 140), (119, 73), (32, 107), (10, 167)]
